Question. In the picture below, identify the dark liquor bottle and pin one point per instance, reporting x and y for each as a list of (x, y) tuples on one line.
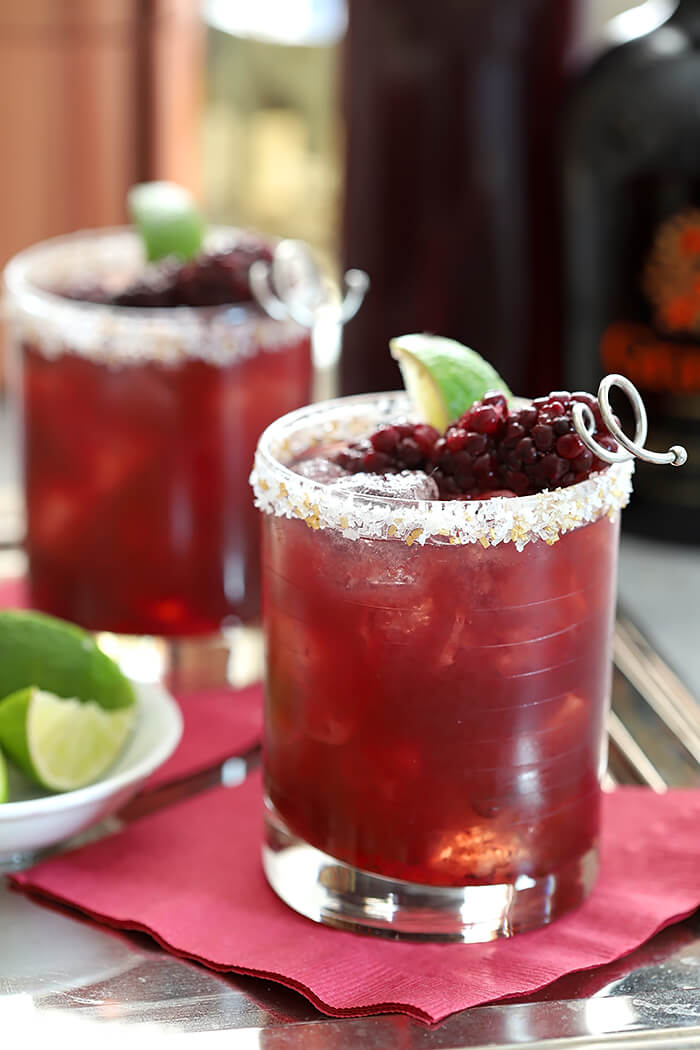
[(451, 111), (632, 236)]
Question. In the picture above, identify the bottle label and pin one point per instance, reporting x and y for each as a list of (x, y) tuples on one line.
[(657, 346), (651, 362), (662, 356)]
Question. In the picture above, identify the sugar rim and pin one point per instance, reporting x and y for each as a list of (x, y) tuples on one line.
[(125, 335), (519, 520)]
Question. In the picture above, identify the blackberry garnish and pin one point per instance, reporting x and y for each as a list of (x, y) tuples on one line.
[(489, 449), (210, 279)]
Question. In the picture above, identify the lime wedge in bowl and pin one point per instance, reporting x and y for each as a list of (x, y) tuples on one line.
[(443, 378), (59, 658), (34, 818), (167, 218), (61, 743)]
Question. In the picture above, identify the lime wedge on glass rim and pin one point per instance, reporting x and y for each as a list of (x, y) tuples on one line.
[(61, 743), (442, 377), (167, 218)]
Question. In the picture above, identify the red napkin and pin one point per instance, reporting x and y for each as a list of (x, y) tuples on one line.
[(190, 875), (14, 594), (218, 722)]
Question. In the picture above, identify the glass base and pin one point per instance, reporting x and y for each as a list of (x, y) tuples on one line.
[(234, 657), (338, 894)]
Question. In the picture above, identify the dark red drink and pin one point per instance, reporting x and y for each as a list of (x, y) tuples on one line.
[(139, 432), (438, 676), (452, 713)]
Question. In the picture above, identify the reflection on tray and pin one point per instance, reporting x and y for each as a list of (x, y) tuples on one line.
[(655, 722)]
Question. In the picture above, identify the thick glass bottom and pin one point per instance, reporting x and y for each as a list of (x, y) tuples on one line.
[(233, 657), (338, 894)]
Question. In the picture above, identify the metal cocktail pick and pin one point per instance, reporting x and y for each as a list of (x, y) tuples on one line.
[(292, 286), (585, 425)]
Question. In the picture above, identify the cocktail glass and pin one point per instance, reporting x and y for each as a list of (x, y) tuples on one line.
[(438, 678), (139, 428)]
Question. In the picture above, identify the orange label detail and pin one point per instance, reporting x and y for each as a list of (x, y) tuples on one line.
[(671, 279), (651, 363)]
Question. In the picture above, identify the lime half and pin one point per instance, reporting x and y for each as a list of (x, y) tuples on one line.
[(4, 790), (442, 377), (61, 743), (167, 218), (56, 656)]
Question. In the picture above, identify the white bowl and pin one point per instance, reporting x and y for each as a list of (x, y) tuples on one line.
[(35, 819)]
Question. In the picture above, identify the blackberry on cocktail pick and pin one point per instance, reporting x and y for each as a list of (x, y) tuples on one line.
[(211, 279), (490, 447)]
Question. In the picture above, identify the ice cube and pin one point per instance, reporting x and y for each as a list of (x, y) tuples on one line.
[(320, 469), (303, 676), (57, 512), (397, 622), (569, 724), (457, 639), (408, 485)]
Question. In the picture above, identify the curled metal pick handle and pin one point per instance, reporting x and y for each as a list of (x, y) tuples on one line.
[(293, 286), (585, 425)]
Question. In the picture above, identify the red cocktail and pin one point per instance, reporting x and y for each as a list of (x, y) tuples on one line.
[(437, 684), (140, 426)]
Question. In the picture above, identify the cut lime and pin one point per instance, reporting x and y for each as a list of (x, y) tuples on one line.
[(442, 377), (61, 743), (56, 656), (167, 218), (4, 790)]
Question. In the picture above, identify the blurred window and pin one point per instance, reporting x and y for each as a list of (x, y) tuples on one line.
[(272, 142)]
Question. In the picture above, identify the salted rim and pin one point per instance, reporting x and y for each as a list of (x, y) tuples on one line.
[(126, 335), (519, 520)]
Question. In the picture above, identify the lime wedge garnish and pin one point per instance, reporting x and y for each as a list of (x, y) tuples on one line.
[(60, 658), (442, 377), (61, 743), (167, 218), (4, 790)]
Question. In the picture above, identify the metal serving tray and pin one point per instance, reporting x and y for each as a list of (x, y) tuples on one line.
[(56, 965)]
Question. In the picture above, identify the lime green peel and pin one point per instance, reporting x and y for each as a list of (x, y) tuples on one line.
[(167, 218), (60, 658), (61, 743), (442, 377), (4, 789)]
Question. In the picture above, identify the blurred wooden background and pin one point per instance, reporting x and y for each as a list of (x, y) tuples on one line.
[(243, 108), (94, 96)]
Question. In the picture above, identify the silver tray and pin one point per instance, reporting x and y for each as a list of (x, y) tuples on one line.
[(56, 966)]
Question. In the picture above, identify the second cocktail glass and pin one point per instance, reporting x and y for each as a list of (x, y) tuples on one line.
[(438, 678), (139, 427)]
